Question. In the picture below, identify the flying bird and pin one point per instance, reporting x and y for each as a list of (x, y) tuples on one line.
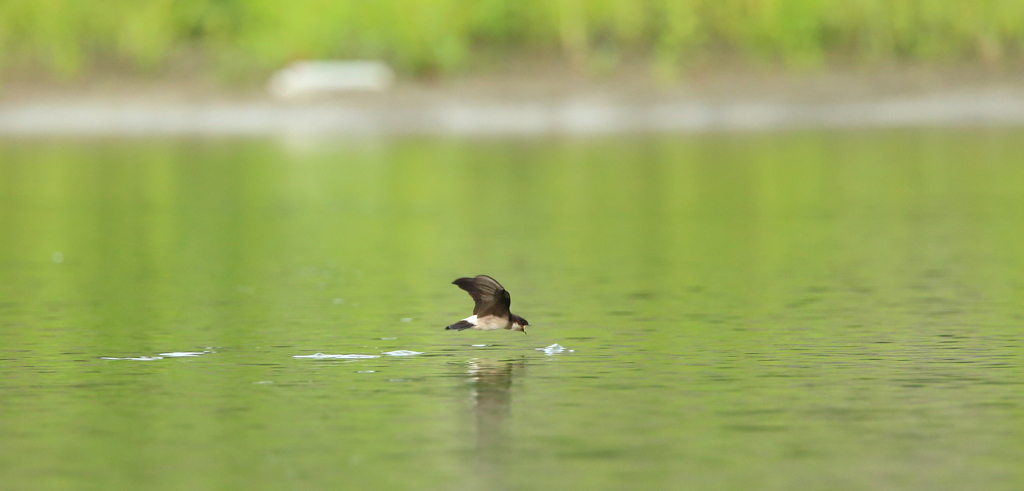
[(490, 311)]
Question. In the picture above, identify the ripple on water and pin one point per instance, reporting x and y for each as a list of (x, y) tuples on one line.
[(403, 352), (321, 356), (183, 354), (137, 358), (161, 356)]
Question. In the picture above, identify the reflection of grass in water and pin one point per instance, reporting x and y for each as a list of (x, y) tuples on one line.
[(421, 35), (706, 231), (710, 237)]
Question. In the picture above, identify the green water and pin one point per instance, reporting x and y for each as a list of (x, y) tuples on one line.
[(766, 311)]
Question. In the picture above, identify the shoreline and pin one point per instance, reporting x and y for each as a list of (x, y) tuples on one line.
[(525, 102)]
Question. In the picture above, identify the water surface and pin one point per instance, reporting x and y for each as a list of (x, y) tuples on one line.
[(769, 311)]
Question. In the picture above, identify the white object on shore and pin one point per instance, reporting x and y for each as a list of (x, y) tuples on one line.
[(306, 78)]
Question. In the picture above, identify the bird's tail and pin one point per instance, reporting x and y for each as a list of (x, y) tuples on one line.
[(459, 326)]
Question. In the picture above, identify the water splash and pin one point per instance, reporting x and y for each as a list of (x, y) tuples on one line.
[(403, 352), (555, 349)]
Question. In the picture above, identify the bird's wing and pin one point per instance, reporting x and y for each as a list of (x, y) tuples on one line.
[(490, 297)]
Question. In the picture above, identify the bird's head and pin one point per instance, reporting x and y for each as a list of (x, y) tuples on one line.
[(519, 324)]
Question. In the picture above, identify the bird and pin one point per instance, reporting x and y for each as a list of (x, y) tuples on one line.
[(490, 311)]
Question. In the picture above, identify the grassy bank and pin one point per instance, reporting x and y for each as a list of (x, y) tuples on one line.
[(68, 37)]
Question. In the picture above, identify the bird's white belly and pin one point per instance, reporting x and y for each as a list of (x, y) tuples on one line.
[(487, 323)]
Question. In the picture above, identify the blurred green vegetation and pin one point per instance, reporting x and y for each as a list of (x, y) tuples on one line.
[(67, 37)]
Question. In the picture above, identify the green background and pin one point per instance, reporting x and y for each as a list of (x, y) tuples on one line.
[(69, 37)]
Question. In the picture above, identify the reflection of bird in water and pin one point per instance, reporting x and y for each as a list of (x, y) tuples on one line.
[(491, 381), (490, 309)]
